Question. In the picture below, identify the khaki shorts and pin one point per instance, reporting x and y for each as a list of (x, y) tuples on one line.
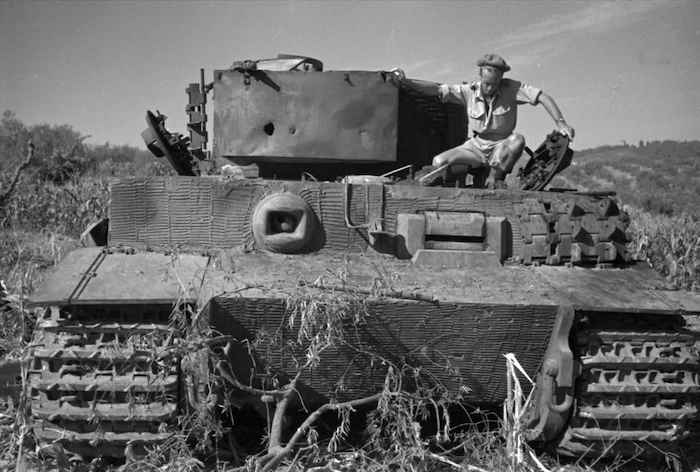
[(488, 151)]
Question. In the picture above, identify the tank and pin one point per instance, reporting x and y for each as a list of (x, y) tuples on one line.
[(316, 189)]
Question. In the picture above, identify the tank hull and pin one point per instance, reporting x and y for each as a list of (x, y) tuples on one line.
[(452, 311)]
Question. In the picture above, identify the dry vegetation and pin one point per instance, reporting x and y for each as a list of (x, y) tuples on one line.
[(63, 187), (671, 245)]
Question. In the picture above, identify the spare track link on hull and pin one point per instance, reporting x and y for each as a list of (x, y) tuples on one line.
[(102, 381), (639, 389), (576, 231)]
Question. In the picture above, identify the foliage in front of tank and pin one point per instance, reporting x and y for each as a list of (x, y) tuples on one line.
[(320, 321)]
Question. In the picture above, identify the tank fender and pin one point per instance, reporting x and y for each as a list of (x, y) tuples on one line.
[(96, 234), (110, 275), (548, 412), (282, 222)]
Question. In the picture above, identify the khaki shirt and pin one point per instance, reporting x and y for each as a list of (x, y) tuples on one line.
[(492, 118)]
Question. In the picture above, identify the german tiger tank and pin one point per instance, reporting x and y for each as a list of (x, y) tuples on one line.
[(319, 182)]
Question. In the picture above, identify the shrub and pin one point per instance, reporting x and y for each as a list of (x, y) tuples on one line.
[(65, 208)]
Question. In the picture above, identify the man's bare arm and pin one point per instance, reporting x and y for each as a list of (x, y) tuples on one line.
[(427, 88), (550, 105)]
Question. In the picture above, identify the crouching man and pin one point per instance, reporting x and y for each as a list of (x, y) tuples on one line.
[(492, 110)]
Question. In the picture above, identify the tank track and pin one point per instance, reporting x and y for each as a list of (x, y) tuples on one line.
[(101, 379), (639, 389)]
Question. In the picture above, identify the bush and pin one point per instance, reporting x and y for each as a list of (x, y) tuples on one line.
[(69, 208), (65, 186)]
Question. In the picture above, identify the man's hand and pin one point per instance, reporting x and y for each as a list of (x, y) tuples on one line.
[(397, 75), (565, 129), (553, 110)]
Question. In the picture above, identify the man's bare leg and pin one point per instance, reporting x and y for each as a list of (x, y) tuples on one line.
[(508, 152), (461, 161), (458, 156), (479, 176)]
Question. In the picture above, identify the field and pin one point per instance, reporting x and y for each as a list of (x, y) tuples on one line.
[(50, 193)]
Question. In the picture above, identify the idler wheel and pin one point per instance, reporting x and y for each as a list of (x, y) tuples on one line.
[(282, 222)]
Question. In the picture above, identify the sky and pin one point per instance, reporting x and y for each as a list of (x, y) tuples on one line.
[(619, 71)]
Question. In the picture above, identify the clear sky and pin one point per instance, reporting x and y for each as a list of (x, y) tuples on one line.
[(618, 70)]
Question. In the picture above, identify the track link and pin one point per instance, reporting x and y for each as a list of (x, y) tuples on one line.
[(639, 388), (103, 388), (579, 230)]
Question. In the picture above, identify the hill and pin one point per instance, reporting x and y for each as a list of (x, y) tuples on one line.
[(657, 177)]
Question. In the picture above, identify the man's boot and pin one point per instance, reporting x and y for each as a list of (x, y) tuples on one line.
[(499, 178), (431, 175)]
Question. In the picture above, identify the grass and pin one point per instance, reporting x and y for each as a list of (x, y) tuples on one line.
[(670, 244)]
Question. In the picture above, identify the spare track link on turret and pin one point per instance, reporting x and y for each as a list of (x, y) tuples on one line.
[(639, 388), (102, 380)]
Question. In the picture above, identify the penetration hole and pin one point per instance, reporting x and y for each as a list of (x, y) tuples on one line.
[(269, 129)]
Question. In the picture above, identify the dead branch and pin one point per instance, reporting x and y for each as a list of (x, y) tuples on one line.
[(404, 295), (281, 392), (312, 418), (275, 445), (438, 457), (226, 341), (5, 196)]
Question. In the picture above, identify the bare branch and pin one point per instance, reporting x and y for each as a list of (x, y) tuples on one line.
[(5, 196), (252, 390), (405, 295), (278, 419), (313, 417)]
